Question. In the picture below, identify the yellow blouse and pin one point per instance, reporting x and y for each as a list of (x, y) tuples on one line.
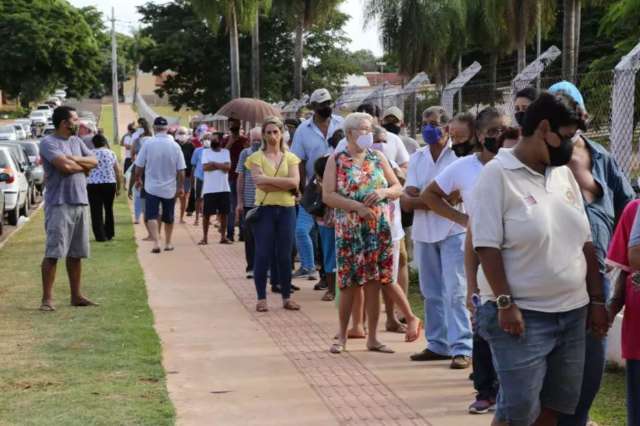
[(276, 198)]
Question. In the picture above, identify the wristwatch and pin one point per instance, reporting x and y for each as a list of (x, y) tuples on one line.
[(504, 301)]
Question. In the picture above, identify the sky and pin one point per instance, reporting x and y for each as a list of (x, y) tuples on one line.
[(362, 38)]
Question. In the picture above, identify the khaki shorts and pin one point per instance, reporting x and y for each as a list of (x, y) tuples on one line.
[(67, 229)]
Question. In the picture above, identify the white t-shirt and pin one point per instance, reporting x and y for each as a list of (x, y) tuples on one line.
[(397, 232), (161, 158), (394, 149), (539, 224), (127, 142), (461, 175), (215, 180)]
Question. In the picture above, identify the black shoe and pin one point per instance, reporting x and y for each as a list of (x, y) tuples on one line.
[(321, 285), (295, 287), (276, 289), (428, 355)]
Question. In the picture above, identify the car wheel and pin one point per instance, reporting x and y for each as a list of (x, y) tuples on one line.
[(24, 211), (14, 215)]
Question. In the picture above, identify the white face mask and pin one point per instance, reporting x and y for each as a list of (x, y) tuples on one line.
[(365, 141), (182, 138), (206, 143)]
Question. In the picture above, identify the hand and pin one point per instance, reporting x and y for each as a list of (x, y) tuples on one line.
[(454, 198), (138, 184), (374, 197), (180, 193), (463, 221), (511, 321), (412, 191), (613, 309), (365, 212), (130, 195), (598, 320), (471, 307), (259, 179)]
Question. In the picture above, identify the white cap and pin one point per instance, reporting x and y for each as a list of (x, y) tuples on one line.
[(393, 111), (320, 95)]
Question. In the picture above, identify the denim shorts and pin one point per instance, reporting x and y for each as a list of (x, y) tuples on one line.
[(541, 368)]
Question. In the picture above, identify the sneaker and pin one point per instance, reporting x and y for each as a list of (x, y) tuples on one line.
[(460, 362), (321, 285), (482, 405), (249, 274), (313, 275), (302, 273)]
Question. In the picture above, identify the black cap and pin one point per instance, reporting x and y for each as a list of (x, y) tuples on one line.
[(160, 122)]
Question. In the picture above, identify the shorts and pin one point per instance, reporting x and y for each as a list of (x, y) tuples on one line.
[(199, 183), (328, 244), (67, 230), (152, 208), (187, 184), (216, 203), (541, 368)]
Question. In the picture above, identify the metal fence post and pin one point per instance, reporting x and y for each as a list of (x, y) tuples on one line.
[(456, 84)]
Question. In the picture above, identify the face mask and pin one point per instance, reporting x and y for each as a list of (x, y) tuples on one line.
[(365, 141), (256, 144), (519, 117), (377, 146), (206, 143), (73, 128), (216, 144), (324, 112), (462, 149), (491, 145), (560, 155), (393, 128), (431, 134), (182, 138)]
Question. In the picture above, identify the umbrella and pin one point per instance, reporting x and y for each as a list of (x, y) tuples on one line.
[(248, 109)]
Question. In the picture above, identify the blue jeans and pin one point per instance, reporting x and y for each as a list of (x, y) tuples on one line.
[(633, 392), (328, 244), (443, 285), (304, 244), (138, 204), (594, 363), (541, 368), (273, 234)]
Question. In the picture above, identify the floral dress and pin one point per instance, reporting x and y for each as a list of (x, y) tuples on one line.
[(363, 246)]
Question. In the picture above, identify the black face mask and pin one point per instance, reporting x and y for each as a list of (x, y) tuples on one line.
[(462, 149), (324, 111), (216, 144), (391, 127), (560, 155), (492, 145), (520, 118)]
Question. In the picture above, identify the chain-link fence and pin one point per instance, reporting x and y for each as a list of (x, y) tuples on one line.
[(144, 110)]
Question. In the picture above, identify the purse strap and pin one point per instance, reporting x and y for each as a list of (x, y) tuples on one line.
[(274, 175)]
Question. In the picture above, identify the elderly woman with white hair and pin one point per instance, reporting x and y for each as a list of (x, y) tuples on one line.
[(359, 182)]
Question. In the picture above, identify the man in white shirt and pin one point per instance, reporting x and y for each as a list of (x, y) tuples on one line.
[(162, 164), (393, 121), (438, 250), (127, 143), (216, 163)]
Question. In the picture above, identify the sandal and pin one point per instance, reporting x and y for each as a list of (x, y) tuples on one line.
[(399, 328), (290, 305), (46, 307), (202, 243), (328, 297), (337, 348), (261, 306), (169, 248), (382, 348), (156, 250), (225, 241)]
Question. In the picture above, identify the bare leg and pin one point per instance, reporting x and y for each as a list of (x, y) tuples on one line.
[(222, 218), (168, 233), (344, 311), (183, 206), (372, 307), (48, 278), (205, 229), (547, 417), (198, 211), (153, 232), (74, 272), (148, 237), (357, 313), (395, 293), (389, 306)]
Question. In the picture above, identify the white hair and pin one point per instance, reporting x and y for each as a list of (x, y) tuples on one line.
[(353, 120), (256, 133)]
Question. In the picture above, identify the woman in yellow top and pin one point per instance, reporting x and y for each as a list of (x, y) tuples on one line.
[(275, 173)]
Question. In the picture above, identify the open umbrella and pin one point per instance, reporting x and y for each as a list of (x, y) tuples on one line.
[(248, 109)]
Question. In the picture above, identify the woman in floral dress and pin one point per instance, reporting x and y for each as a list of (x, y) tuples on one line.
[(358, 183)]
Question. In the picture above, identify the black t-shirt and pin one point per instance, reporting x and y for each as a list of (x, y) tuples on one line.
[(187, 151)]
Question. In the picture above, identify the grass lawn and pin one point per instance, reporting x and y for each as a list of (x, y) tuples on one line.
[(183, 114), (609, 408), (106, 121)]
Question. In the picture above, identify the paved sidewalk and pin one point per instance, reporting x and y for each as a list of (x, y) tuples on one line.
[(229, 365)]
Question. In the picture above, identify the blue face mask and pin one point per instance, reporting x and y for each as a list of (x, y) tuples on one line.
[(431, 134)]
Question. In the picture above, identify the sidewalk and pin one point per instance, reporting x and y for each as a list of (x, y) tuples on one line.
[(229, 365)]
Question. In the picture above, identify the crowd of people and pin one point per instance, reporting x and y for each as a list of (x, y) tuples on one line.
[(513, 224)]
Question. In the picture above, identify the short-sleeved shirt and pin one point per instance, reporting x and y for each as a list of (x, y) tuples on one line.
[(234, 150), (276, 198), (393, 149), (61, 188), (139, 142), (161, 158), (627, 235), (187, 149), (196, 162), (461, 175), (539, 224), (127, 142), (411, 144), (249, 188), (104, 171), (215, 180), (429, 227), (309, 143)]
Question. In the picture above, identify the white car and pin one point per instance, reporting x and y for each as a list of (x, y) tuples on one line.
[(46, 108), (20, 131), (15, 190), (60, 93), (54, 100), (39, 117), (8, 133)]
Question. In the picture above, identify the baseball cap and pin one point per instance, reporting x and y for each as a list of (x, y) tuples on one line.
[(160, 122), (570, 89), (320, 95), (393, 111)]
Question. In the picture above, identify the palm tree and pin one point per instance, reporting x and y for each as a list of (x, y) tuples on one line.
[(239, 15)]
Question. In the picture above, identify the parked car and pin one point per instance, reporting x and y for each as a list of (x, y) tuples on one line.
[(48, 130), (15, 188), (32, 149), (8, 133), (20, 131), (39, 117), (21, 158), (54, 101), (60, 93), (4, 177), (46, 108)]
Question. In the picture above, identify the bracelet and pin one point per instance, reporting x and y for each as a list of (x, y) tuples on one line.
[(598, 303)]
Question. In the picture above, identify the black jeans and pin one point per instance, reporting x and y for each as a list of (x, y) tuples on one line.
[(101, 196), (485, 379)]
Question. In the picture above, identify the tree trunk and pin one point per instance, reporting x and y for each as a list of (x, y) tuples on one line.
[(299, 54), (255, 58), (577, 26), (521, 35), (493, 74), (568, 40), (235, 55)]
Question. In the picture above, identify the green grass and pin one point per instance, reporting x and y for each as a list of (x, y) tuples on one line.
[(609, 408), (79, 366), (106, 122), (183, 114)]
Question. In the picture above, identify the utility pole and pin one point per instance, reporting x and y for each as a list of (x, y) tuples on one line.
[(114, 76), (460, 91), (539, 38), (381, 64)]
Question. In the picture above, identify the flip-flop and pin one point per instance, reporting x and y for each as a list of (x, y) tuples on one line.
[(45, 307), (202, 243), (156, 250), (262, 307), (328, 297), (400, 329), (225, 242), (169, 248), (84, 303), (337, 348), (382, 348)]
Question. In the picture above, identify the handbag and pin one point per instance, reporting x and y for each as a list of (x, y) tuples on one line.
[(253, 215), (312, 200)]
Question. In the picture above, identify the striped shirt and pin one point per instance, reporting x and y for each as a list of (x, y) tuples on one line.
[(249, 194)]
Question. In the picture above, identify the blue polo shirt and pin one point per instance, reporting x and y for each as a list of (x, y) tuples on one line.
[(309, 143), (196, 162)]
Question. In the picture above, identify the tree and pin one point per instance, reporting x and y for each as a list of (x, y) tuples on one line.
[(45, 45), (365, 60)]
